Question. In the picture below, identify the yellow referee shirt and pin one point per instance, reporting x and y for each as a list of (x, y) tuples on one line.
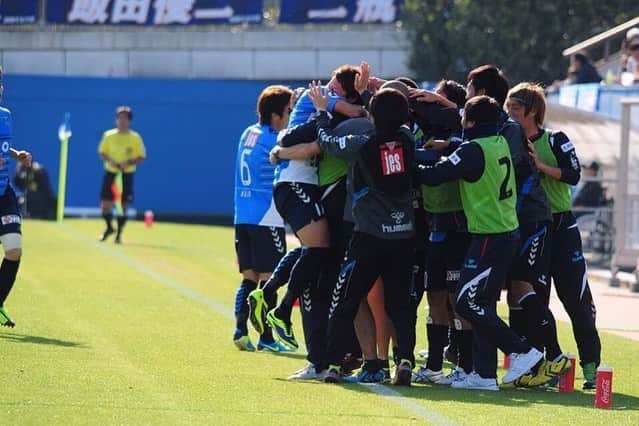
[(121, 147)]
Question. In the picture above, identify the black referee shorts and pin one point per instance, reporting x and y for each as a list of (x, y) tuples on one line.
[(106, 193)]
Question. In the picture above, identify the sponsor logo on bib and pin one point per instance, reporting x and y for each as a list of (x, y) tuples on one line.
[(392, 158)]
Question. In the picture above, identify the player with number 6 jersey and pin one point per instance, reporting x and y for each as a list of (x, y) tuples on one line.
[(260, 240), (254, 178)]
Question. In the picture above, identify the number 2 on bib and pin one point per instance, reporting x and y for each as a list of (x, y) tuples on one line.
[(504, 191)]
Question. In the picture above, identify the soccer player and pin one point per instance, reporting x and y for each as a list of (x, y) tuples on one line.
[(342, 91), (10, 229), (527, 289), (449, 241), (379, 181), (483, 166), (527, 278), (121, 149), (260, 240), (298, 199), (555, 156)]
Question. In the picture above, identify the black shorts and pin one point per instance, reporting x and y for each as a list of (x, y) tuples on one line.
[(10, 220), (259, 247), (532, 260), (446, 253), (127, 187), (298, 203), (333, 198)]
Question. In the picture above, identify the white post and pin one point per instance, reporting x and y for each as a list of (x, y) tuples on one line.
[(622, 180)]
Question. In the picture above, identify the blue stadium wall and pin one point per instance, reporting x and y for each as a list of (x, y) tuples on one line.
[(190, 128)]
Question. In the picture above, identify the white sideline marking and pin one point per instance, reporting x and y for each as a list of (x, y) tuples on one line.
[(409, 405), (383, 390), (170, 282)]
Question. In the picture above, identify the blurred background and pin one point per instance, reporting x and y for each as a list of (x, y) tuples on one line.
[(191, 70)]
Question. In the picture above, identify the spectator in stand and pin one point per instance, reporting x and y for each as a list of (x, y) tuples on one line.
[(630, 57), (582, 70)]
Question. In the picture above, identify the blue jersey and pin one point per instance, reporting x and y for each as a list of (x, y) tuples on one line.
[(302, 171), (304, 108), (6, 133), (254, 178)]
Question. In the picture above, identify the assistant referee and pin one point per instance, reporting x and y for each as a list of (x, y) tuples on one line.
[(121, 149)]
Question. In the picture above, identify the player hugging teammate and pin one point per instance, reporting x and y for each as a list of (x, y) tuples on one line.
[(358, 152)]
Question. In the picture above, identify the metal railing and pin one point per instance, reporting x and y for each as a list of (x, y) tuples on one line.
[(604, 37), (626, 211)]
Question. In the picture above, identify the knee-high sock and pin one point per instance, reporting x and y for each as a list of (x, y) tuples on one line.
[(121, 222), (108, 218), (267, 336), (437, 335), (305, 274), (8, 272), (280, 276), (242, 307)]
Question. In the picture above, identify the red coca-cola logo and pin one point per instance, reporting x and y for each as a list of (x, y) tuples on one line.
[(605, 391)]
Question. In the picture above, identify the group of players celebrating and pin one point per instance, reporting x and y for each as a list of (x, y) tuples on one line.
[(394, 191)]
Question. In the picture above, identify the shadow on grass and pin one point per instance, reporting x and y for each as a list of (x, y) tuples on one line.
[(39, 340), (508, 396), (149, 246), (297, 355)]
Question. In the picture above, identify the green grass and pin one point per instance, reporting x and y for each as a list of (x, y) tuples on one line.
[(141, 334)]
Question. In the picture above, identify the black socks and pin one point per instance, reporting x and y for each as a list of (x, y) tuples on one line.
[(8, 272)]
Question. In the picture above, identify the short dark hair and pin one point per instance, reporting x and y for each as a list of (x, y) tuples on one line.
[(273, 100), (345, 74), (482, 109), (124, 109), (389, 109), (408, 81), (582, 57), (453, 91), (490, 79)]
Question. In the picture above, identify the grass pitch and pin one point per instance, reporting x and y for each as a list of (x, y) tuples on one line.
[(141, 334)]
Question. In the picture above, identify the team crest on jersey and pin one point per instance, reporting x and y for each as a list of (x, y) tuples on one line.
[(454, 158), (392, 158), (10, 218), (568, 146)]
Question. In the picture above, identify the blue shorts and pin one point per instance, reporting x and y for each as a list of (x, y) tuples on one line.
[(259, 247), (298, 203), (10, 220)]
